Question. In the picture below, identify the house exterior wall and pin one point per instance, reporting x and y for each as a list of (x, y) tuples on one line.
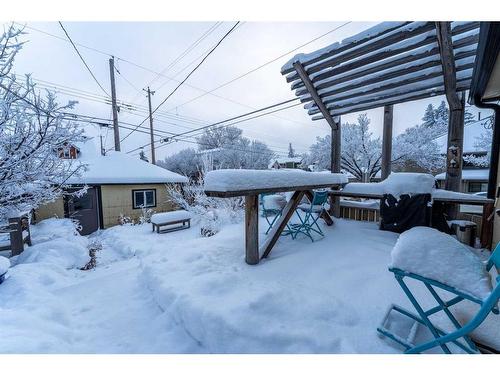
[(117, 200), (51, 209)]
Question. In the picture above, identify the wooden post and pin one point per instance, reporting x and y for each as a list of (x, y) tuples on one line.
[(486, 235), (16, 236), (456, 105), (387, 142), (252, 229), (153, 156), (116, 129), (336, 144)]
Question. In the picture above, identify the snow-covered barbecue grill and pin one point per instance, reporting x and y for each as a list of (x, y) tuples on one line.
[(250, 183)]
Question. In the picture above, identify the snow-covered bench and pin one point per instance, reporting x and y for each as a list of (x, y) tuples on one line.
[(171, 218)]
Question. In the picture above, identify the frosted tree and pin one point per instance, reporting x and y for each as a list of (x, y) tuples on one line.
[(482, 143), (229, 149), (429, 119), (361, 153), (32, 130), (291, 151), (186, 162)]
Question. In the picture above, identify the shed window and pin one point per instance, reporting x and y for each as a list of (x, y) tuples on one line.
[(144, 198)]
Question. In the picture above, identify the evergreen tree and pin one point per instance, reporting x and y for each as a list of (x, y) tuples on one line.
[(429, 119), (291, 151)]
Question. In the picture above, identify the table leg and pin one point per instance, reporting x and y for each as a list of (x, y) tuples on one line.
[(252, 229)]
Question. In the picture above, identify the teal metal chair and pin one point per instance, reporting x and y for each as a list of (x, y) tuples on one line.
[(271, 214), (311, 212), (460, 336)]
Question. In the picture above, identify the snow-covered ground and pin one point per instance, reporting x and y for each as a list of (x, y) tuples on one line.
[(183, 293)]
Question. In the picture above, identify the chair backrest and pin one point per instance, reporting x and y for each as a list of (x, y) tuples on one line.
[(319, 198), (494, 258)]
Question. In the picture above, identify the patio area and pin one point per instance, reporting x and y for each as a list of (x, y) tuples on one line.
[(322, 297)]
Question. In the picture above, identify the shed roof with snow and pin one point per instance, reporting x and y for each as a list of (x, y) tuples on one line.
[(469, 175), (119, 168)]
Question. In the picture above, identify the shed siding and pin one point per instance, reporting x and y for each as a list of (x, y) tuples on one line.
[(51, 209), (117, 200)]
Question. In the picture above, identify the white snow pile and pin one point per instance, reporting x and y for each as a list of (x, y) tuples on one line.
[(56, 241), (396, 184), (4, 265), (233, 180), (438, 256), (274, 201)]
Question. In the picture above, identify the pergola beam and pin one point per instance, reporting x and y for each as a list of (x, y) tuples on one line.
[(314, 94)]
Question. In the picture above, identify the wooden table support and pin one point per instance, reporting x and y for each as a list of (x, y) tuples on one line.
[(277, 229), (252, 229)]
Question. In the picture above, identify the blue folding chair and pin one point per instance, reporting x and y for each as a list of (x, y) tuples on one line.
[(272, 212), (460, 337), (312, 211)]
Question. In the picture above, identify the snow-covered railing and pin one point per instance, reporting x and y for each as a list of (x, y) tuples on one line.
[(250, 183)]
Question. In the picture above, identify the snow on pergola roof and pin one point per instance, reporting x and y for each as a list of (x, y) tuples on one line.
[(392, 62), (119, 168)]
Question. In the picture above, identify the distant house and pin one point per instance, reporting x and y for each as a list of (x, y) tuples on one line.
[(118, 185), (474, 179), (286, 162)]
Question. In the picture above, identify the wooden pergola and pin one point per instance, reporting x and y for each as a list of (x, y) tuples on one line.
[(390, 63)]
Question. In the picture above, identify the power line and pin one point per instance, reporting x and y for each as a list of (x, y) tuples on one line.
[(139, 66), (240, 117), (186, 78), (262, 66), (81, 58), (186, 51)]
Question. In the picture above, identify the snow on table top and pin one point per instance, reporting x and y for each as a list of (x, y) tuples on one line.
[(164, 217), (438, 256), (234, 180), (4, 265), (396, 184)]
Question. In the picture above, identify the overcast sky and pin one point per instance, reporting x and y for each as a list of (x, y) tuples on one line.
[(154, 46)]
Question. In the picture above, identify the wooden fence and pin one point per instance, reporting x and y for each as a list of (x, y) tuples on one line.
[(18, 230)]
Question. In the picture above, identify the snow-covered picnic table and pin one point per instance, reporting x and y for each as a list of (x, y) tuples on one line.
[(250, 183)]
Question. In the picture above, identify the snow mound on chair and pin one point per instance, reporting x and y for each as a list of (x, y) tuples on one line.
[(438, 256)]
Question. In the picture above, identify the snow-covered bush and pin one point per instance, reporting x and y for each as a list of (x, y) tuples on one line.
[(210, 212), (33, 129), (125, 220), (145, 215), (57, 242)]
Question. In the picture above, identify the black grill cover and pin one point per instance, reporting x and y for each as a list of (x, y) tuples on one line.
[(405, 213)]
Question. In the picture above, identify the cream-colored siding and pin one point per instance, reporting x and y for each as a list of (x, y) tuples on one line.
[(52, 209), (117, 200)]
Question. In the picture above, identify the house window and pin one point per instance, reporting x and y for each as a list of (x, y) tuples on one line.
[(476, 187), (144, 198)]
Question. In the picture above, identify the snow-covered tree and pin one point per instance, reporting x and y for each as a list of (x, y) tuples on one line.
[(291, 151), (230, 149), (32, 130), (429, 119), (186, 162), (482, 143)]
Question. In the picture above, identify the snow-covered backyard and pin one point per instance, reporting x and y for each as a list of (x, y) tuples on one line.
[(183, 293)]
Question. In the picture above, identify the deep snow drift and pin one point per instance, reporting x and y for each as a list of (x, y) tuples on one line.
[(183, 293)]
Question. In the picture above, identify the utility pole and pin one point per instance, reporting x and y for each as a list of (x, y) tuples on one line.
[(153, 158), (116, 130)]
